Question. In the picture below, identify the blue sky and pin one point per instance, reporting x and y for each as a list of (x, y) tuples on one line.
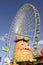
[(8, 10)]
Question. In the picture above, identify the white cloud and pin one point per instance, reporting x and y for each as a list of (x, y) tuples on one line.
[(40, 42), (4, 37)]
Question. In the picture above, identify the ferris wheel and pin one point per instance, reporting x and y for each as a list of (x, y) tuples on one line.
[(26, 22)]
